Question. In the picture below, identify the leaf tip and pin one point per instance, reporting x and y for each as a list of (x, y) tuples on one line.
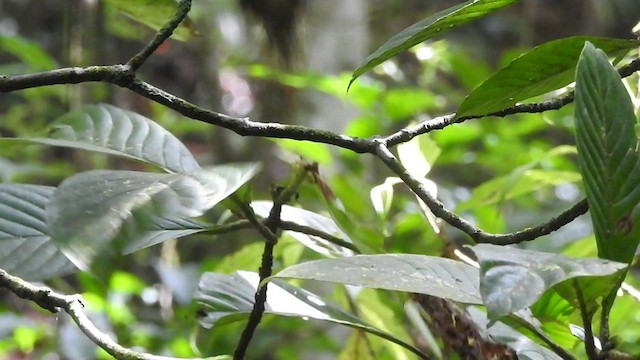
[(353, 78)]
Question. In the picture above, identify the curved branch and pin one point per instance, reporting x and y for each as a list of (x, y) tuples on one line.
[(72, 305), (479, 236), (123, 76)]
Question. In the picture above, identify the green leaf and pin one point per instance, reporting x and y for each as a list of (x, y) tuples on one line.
[(29, 52), (108, 129), (154, 14), (401, 104), (229, 298), (26, 250), (312, 220), (88, 209), (547, 67), (512, 279), (501, 333), (430, 275), (310, 151), (427, 28), (144, 230), (514, 185), (608, 155)]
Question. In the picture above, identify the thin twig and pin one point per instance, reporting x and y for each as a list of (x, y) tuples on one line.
[(269, 234), (292, 226), (443, 121), (439, 210), (589, 342), (269, 230), (543, 337), (285, 225), (161, 36)]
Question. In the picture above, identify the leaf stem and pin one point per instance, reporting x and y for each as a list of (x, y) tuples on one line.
[(269, 231), (586, 315)]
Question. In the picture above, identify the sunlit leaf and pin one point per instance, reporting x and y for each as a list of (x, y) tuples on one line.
[(608, 154), (427, 28), (309, 151), (26, 250), (400, 104), (430, 275), (418, 155), (547, 67), (154, 14), (111, 130), (228, 298), (512, 279), (514, 185)]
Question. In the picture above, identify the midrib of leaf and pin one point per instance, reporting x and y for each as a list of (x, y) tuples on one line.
[(609, 160)]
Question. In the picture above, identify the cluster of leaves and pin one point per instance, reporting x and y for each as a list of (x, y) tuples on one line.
[(531, 299)]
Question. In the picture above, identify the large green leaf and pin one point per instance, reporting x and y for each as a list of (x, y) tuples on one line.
[(430, 275), (608, 155), (547, 67), (26, 250), (153, 13), (87, 210), (512, 279), (427, 28), (229, 298), (108, 129), (310, 219)]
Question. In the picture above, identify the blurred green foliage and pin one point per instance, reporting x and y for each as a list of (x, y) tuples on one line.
[(504, 174)]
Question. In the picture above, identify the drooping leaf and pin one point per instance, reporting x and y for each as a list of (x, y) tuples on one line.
[(229, 298), (26, 250), (88, 209), (608, 155), (525, 348), (427, 28), (430, 275), (511, 279), (154, 14), (545, 68), (310, 219), (144, 230), (111, 130)]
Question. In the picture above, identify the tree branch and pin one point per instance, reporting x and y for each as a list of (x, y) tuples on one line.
[(161, 36), (441, 122), (72, 305), (269, 230), (479, 236), (123, 76)]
